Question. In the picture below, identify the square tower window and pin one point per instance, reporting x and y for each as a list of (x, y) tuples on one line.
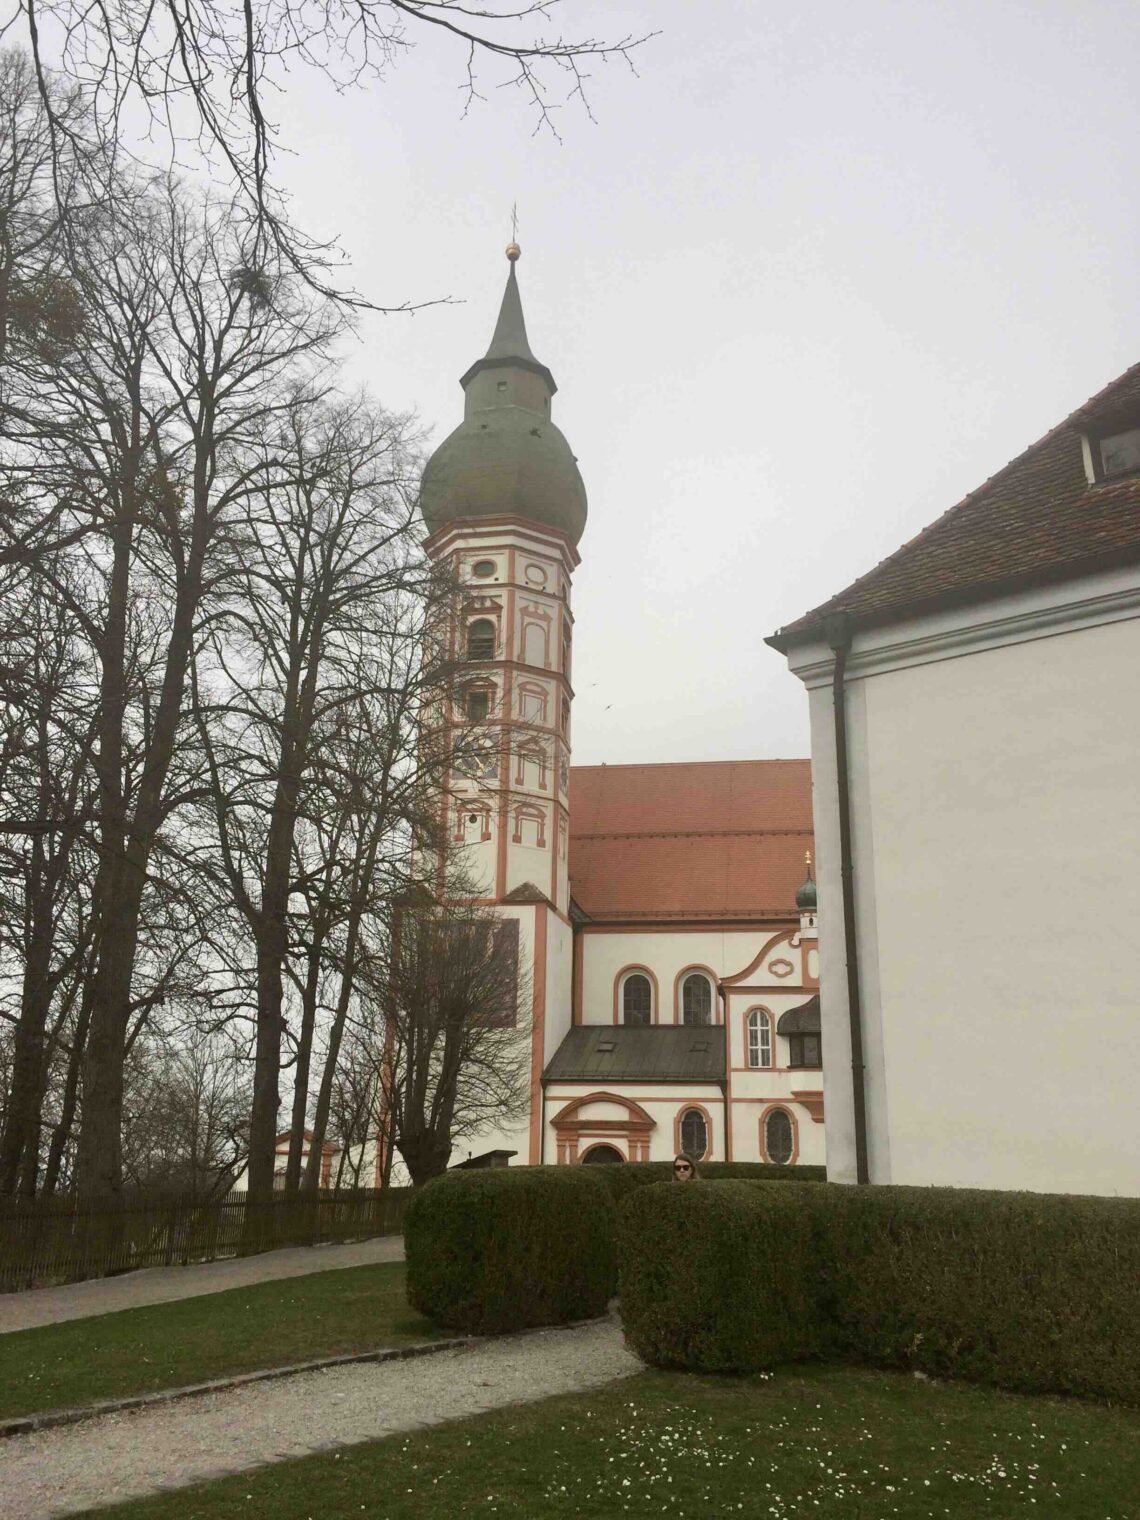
[(477, 704)]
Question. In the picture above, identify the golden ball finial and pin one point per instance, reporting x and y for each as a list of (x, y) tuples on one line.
[(513, 251)]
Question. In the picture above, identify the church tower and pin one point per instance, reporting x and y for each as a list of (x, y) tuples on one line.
[(505, 507)]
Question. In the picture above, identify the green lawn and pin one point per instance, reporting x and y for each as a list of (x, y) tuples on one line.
[(838, 1443), (269, 1324)]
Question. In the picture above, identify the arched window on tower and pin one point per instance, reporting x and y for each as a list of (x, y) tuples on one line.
[(637, 999), (696, 999), (481, 639)]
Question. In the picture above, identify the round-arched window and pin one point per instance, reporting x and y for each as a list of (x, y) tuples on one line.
[(637, 999), (759, 1038), (696, 999), (694, 1134), (602, 1155), (481, 639), (778, 1137)]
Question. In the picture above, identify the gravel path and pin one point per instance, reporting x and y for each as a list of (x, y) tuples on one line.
[(161, 1285), (122, 1456)]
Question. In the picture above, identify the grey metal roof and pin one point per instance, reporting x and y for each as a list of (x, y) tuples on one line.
[(657, 1053), (801, 1020)]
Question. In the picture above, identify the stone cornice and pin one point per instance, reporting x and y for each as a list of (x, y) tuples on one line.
[(1088, 602)]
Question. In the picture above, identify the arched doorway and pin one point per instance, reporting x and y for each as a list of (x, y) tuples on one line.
[(602, 1155)]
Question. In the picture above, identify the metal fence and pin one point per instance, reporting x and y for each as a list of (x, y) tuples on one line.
[(53, 1240)]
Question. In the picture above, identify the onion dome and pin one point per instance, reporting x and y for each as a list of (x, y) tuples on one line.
[(506, 458), (805, 896)]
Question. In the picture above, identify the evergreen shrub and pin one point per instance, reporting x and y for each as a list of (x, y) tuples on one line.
[(623, 1178), (511, 1247), (1038, 1293), (718, 1276)]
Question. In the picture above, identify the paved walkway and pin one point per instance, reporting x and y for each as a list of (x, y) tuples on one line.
[(161, 1285), (123, 1456)]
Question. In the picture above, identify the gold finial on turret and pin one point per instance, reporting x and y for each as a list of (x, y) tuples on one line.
[(807, 860), (513, 251)]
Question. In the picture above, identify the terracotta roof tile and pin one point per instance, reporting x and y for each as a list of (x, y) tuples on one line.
[(1038, 520), (694, 841)]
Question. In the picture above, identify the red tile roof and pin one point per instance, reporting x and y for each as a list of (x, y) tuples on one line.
[(1036, 521), (719, 839)]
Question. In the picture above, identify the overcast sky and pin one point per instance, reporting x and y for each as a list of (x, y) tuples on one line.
[(816, 272)]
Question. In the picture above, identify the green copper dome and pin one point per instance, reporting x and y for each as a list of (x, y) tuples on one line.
[(805, 895), (506, 458)]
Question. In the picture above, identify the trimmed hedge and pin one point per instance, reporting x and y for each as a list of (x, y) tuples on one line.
[(511, 1247), (622, 1178), (1038, 1293)]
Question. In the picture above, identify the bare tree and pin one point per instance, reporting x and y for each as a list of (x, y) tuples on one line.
[(47, 792), (457, 1057), (187, 352), (204, 73), (187, 1115), (328, 547)]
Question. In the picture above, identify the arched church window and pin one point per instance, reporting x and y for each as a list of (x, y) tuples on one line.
[(694, 1134), (637, 999), (778, 1136), (481, 639), (759, 1038), (696, 999)]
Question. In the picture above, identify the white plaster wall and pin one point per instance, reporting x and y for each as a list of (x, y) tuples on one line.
[(513, 1135), (661, 1106), (725, 952), (559, 971), (746, 1115), (997, 828)]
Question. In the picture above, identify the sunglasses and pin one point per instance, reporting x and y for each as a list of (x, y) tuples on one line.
[(682, 1166)]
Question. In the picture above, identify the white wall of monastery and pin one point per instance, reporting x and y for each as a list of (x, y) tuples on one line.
[(995, 772), (608, 954)]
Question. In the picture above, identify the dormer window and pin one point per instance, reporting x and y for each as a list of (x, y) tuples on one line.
[(1119, 453)]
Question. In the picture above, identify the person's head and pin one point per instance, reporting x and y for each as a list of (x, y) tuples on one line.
[(684, 1168)]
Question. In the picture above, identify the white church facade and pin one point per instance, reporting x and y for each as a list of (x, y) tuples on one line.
[(666, 930)]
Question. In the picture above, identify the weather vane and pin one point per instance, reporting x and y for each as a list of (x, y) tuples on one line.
[(513, 249)]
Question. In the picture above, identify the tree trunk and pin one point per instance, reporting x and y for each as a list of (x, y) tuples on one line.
[(21, 1119), (99, 1159), (304, 1059), (425, 1155)]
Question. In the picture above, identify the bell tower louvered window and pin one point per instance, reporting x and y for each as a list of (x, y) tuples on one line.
[(481, 639)]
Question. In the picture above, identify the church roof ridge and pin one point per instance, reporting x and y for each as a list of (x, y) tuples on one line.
[(660, 765)]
